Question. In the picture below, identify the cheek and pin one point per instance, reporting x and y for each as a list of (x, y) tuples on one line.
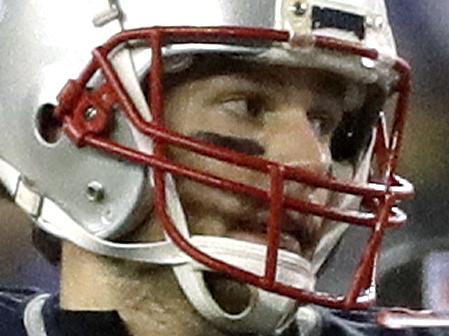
[(208, 199)]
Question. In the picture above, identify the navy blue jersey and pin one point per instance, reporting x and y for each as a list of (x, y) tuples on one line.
[(30, 312), (12, 305)]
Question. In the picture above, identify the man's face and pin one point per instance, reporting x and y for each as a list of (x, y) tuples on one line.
[(278, 113)]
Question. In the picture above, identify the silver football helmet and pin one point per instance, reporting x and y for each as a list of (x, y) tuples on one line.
[(93, 182)]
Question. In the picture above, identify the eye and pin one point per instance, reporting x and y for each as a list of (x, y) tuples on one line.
[(323, 122), (244, 107), (318, 125)]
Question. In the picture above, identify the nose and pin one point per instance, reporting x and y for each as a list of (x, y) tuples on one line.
[(290, 138)]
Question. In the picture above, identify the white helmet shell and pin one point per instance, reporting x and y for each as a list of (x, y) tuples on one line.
[(86, 197)]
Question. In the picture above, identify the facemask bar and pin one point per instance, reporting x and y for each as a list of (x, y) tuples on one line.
[(380, 198)]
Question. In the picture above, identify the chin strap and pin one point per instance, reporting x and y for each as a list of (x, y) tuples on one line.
[(266, 312)]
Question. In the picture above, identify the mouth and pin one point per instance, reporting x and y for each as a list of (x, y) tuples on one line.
[(298, 234)]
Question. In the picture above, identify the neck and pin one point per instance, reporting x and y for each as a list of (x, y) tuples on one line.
[(148, 299)]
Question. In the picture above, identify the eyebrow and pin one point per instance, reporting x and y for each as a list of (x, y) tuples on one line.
[(242, 145)]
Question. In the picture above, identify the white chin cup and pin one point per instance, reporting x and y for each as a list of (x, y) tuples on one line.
[(266, 312)]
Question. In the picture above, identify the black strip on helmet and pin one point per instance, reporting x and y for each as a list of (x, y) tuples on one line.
[(332, 18)]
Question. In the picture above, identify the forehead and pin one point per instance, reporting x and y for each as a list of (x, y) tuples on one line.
[(239, 72)]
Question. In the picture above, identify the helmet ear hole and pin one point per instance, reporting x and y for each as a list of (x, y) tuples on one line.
[(48, 126)]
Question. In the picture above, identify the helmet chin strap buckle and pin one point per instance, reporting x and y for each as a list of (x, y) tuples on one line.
[(28, 199), (21, 189)]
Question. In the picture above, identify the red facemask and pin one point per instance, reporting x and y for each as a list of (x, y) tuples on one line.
[(86, 114)]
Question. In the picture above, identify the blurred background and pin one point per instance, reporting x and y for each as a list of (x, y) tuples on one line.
[(414, 268)]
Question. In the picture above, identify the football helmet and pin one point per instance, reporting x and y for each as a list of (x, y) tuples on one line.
[(83, 138)]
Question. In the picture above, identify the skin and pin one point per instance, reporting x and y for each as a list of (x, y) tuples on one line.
[(278, 113)]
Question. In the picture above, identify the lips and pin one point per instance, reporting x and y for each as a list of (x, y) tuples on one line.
[(299, 232)]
